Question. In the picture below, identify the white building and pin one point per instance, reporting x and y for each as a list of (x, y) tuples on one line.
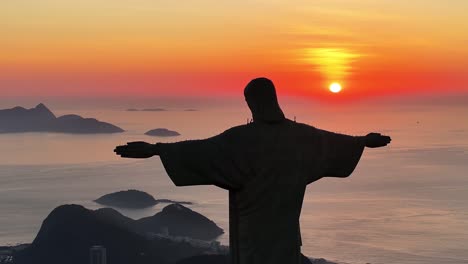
[(97, 255)]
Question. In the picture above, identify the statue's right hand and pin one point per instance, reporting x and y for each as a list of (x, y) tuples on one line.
[(136, 150), (377, 140)]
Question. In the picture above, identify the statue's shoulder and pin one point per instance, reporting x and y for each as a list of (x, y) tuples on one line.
[(236, 130), (305, 130), (304, 126)]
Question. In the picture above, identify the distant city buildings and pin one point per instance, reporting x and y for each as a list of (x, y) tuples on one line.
[(6, 255), (97, 255), (6, 259)]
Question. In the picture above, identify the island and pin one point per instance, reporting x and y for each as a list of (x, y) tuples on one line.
[(41, 119), (162, 132), (146, 110), (133, 199)]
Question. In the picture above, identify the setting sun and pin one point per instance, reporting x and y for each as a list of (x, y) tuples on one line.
[(335, 87)]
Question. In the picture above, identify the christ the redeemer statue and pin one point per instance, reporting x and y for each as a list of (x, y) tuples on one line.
[(265, 165)]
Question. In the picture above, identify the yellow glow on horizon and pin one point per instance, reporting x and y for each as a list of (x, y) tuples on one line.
[(333, 63)]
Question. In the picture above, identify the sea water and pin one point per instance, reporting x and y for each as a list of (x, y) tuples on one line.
[(406, 203)]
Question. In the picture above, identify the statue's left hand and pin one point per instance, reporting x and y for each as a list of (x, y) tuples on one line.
[(136, 150)]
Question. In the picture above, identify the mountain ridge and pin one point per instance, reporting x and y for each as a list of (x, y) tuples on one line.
[(41, 119)]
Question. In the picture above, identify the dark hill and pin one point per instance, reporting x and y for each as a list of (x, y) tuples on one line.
[(132, 199), (177, 219), (41, 119), (180, 221), (69, 231), (112, 216)]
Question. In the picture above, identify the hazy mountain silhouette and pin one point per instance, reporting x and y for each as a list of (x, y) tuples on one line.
[(180, 221), (132, 199), (162, 132), (177, 219), (41, 119), (70, 230)]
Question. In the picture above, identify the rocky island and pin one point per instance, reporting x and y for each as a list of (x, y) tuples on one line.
[(133, 199), (146, 110), (162, 132), (41, 119)]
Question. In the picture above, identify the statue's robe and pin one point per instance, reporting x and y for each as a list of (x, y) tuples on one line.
[(266, 168)]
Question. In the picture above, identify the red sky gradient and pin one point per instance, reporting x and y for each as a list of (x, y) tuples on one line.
[(206, 48)]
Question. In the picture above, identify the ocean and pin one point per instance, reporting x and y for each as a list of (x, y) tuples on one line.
[(406, 203)]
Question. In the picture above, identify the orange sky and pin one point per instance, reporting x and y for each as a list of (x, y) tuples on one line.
[(160, 48)]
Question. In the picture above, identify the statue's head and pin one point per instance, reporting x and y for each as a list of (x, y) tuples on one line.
[(260, 95)]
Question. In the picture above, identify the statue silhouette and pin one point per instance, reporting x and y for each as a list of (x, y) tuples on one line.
[(265, 165)]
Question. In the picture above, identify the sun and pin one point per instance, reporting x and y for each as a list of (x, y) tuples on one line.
[(335, 87)]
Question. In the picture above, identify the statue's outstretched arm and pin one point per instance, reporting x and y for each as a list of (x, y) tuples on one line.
[(137, 150), (376, 140)]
